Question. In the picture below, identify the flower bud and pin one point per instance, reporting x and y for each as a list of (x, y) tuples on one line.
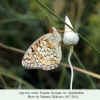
[(70, 37)]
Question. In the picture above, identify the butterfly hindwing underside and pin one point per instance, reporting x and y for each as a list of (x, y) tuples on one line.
[(44, 53)]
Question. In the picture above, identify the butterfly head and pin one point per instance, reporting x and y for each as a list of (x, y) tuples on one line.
[(55, 33)]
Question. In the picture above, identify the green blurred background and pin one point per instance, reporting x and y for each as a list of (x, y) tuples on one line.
[(20, 26)]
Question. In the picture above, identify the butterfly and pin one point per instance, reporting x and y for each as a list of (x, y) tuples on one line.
[(45, 53)]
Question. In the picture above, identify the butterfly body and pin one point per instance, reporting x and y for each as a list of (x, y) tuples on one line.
[(44, 53)]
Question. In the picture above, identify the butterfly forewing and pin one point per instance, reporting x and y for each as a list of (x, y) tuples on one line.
[(44, 53)]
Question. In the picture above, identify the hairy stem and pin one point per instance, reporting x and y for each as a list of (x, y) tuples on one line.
[(72, 72)]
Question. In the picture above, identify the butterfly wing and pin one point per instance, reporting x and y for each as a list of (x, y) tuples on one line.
[(44, 53)]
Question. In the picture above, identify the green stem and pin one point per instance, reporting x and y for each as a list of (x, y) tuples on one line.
[(82, 66), (67, 25), (7, 74), (62, 77), (5, 85), (40, 77)]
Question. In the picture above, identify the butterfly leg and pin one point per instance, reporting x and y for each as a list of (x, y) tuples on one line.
[(59, 44)]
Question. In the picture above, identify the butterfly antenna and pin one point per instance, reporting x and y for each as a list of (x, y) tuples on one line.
[(50, 30), (48, 21), (43, 21)]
